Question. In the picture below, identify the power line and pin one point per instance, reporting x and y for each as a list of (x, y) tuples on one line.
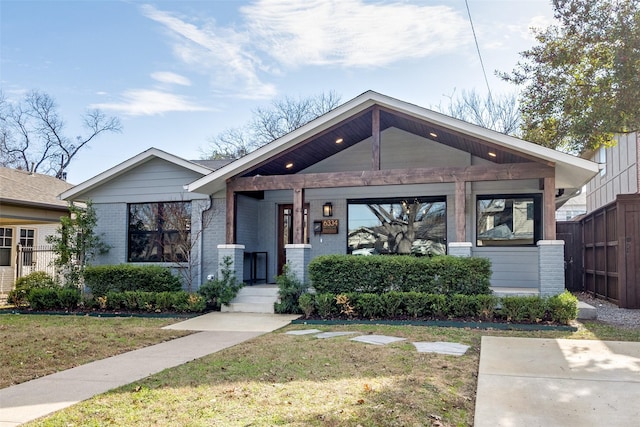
[(475, 38)]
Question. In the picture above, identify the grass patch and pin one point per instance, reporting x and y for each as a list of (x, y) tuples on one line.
[(37, 345), (279, 379)]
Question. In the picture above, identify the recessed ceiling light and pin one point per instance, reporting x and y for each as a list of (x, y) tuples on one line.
[(288, 165), (339, 140), (492, 154), (433, 134)]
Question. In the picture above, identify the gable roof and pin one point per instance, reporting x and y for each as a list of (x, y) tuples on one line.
[(116, 171), (23, 188), (316, 140)]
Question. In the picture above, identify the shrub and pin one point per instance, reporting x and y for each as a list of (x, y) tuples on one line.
[(563, 307), (461, 305), (69, 298), (289, 291), (486, 306), (24, 284), (392, 303), (325, 304), (368, 305), (307, 304), (126, 277), (221, 290), (43, 298), (383, 273)]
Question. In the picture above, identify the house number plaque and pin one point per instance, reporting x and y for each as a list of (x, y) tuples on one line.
[(329, 226)]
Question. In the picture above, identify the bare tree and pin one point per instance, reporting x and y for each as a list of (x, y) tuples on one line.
[(496, 113), (184, 238), (268, 124), (32, 134)]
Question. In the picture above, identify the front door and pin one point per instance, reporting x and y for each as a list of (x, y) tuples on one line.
[(285, 231)]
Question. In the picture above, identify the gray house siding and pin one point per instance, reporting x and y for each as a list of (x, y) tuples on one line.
[(620, 174)]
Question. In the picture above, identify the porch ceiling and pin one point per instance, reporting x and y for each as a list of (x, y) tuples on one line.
[(359, 128)]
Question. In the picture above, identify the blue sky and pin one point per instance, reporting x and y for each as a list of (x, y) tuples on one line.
[(179, 72)]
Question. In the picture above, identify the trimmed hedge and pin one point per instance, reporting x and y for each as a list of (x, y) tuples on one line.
[(377, 274), (180, 301), (25, 284), (417, 305), (102, 279)]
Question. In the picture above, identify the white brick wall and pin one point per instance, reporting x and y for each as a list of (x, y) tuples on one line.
[(551, 267)]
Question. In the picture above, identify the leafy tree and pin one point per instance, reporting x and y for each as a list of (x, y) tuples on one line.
[(281, 117), (499, 113), (581, 81), (32, 134), (75, 243)]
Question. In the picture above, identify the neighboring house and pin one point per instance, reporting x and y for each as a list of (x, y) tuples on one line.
[(574, 207), (29, 212), (618, 173), (374, 175)]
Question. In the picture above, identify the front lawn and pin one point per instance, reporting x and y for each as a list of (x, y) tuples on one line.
[(280, 379), (37, 345)]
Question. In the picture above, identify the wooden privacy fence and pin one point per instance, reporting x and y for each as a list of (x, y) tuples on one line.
[(611, 251)]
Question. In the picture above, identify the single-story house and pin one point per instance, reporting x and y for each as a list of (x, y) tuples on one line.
[(30, 210), (375, 175)]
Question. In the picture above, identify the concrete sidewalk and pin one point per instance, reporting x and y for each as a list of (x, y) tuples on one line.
[(27, 401), (527, 382)]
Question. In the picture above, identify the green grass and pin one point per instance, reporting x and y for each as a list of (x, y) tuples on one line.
[(279, 379), (38, 345)]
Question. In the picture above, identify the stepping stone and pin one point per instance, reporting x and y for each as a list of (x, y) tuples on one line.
[(303, 332), (377, 339), (449, 348), (334, 334)]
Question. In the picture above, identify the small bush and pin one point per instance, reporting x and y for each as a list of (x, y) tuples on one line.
[(43, 298), (325, 305), (36, 280), (221, 291), (369, 306), (307, 304), (69, 298), (289, 291), (563, 307)]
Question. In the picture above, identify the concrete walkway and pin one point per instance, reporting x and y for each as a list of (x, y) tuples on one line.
[(33, 399), (525, 382)]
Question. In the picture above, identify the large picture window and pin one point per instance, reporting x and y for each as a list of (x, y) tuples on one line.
[(508, 220), (159, 232), (397, 226)]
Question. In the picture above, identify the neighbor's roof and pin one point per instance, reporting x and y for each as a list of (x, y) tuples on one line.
[(127, 165), (19, 187), (571, 171)]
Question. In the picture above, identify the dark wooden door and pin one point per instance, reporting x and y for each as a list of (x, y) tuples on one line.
[(570, 232)]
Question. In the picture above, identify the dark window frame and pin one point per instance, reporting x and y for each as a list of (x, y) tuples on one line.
[(536, 211), (399, 201), (6, 246), (159, 241)]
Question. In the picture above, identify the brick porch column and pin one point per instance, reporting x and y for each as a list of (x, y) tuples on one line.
[(551, 267), (298, 257), (236, 253), (460, 249)]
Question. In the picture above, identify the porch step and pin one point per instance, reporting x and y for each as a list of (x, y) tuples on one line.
[(253, 299), (586, 311), (513, 292)]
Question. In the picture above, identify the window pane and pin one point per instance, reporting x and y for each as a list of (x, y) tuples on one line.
[(507, 221), (159, 232), (5, 257), (397, 226)]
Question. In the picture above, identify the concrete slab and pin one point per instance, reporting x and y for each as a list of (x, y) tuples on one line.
[(586, 311), (33, 399), (334, 334), (303, 332), (450, 348), (218, 321), (377, 339), (543, 382)]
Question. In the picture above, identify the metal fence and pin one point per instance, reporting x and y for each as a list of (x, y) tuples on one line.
[(35, 258)]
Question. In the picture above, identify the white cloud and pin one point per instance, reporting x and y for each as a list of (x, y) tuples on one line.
[(219, 52), (169, 77), (140, 102), (353, 33)]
